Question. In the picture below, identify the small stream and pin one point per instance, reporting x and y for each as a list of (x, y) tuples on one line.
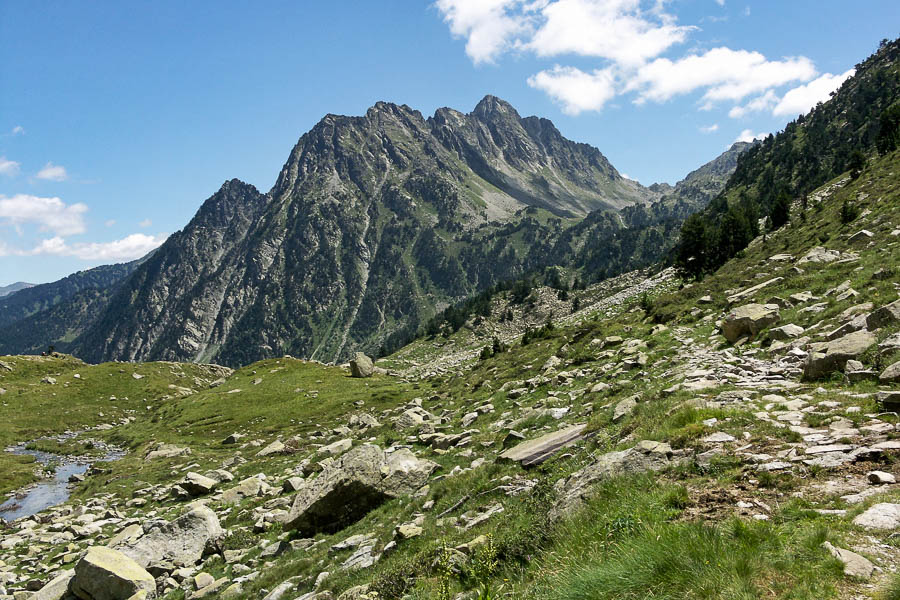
[(56, 490)]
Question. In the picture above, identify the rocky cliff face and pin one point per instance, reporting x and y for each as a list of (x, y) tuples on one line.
[(367, 229)]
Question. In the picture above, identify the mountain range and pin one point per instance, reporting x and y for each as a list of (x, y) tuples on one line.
[(375, 224)]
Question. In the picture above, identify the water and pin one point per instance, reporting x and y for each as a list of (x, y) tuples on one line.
[(57, 490)]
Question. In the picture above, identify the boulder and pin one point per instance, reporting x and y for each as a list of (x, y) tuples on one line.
[(785, 332), (56, 589), (884, 516), (827, 357), (891, 374), (361, 365), (352, 485), (166, 451), (854, 564), (624, 408), (181, 542), (536, 451), (196, 484), (749, 319), (572, 491), (107, 574), (888, 314)]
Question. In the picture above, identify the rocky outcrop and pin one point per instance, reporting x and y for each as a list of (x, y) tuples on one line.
[(354, 484), (361, 365), (106, 574), (749, 320), (535, 452), (166, 545), (574, 490), (827, 357)]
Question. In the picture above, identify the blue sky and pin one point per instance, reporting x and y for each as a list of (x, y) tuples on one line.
[(117, 119)]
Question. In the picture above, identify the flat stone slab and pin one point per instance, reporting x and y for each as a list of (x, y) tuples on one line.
[(884, 516), (534, 452), (854, 564), (829, 448)]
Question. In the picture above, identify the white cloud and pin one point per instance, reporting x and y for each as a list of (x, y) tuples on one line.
[(710, 128), (52, 172), (800, 99), (747, 11), (128, 248), (488, 25), (726, 74), (747, 135), (50, 214), (109, 222), (618, 30), (10, 168), (720, 2), (576, 90), (145, 223), (758, 104), (17, 130)]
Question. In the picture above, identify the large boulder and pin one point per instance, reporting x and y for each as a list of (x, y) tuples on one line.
[(56, 589), (535, 452), (574, 490), (354, 484), (827, 357), (178, 543), (361, 365), (107, 574), (891, 374), (888, 314), (749, 319)]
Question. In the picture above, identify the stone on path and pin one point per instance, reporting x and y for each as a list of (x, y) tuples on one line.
[(884, 516), (536, 451), (572, 491), (749, 319), (827, 357), (854, 564), (107, 574)]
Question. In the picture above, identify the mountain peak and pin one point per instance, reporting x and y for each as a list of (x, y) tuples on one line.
[(492, 106)]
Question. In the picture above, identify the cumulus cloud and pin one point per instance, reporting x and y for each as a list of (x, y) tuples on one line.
[(747, 135), (710, 128), (800, 99), (9, 168), (758, 104), (618, 30), (628, 39), (49, 214), (574, 89), (489, 26), (52, 172), (128, 248), (724, 73)]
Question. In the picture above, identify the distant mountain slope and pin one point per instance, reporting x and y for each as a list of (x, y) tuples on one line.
[(28, 301), (14, 287), (374, 225)]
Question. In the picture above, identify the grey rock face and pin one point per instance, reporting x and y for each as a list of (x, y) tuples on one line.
[(181, 542), (354, 484), (749, 319), (106, 574), (573, 490), (827, 357)]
